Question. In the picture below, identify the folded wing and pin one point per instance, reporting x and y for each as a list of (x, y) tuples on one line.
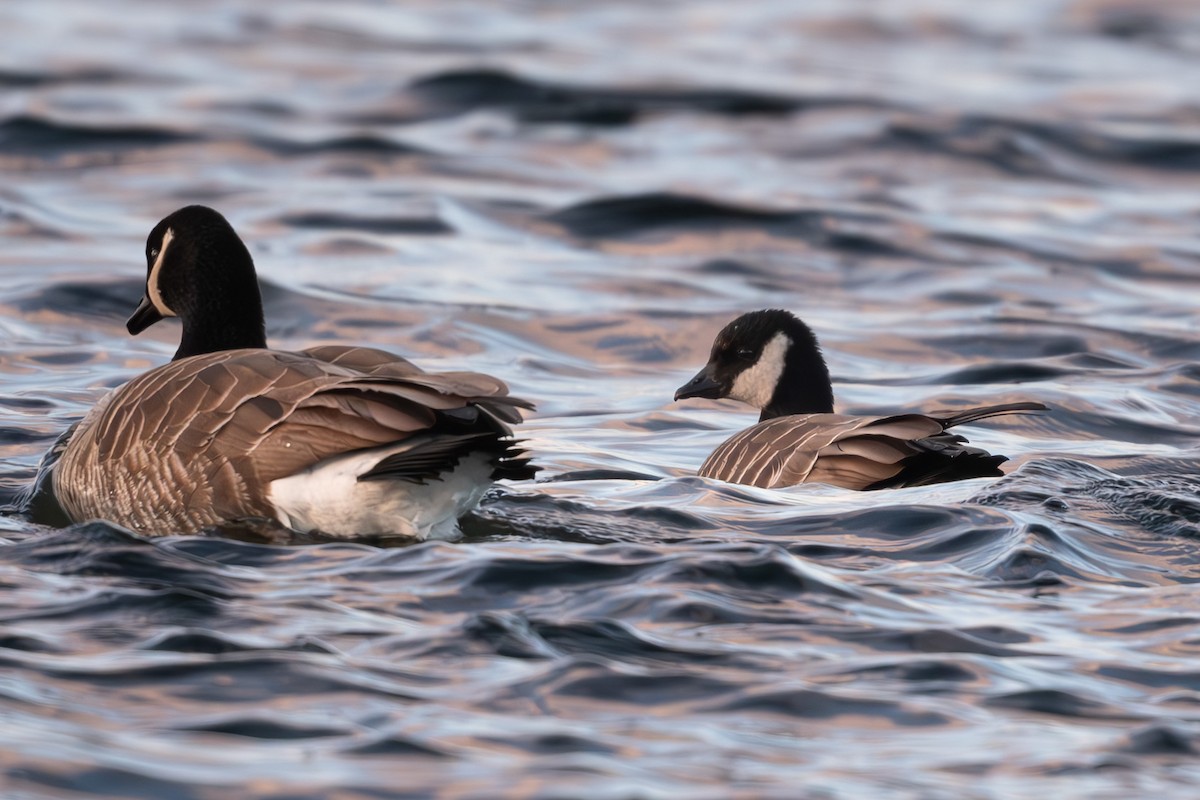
[(228, 423), (856, 452)]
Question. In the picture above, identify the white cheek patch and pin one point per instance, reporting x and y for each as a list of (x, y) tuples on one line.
[(152, 282), (756, 384)]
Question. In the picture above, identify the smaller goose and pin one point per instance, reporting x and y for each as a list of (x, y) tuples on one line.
[(771, 360), (345, 441)]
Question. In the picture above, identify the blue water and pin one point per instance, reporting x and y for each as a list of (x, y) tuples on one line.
[(970, 203)]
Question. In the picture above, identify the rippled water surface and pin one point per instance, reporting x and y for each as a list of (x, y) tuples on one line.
[(970, 203)]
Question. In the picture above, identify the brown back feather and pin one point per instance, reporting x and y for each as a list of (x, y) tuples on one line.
[(855, 452), (230, 422)]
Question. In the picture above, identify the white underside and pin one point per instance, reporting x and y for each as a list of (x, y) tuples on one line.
[(328, 497)]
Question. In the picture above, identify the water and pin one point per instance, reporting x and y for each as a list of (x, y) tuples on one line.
[(970, 203)]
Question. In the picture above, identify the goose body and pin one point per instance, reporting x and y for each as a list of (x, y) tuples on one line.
[(346, 441), (771, 360)]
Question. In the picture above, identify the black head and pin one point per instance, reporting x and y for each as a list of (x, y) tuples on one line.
[(768, 359), (198, 269)]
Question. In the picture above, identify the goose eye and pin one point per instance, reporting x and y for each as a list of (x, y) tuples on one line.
[(154, 253), (745, 354)]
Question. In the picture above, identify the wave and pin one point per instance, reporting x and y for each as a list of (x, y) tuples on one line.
[(534, 101), (38, 136), (636, 215)]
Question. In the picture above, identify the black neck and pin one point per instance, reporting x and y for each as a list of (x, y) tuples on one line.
[(804, 387), (209, 333)]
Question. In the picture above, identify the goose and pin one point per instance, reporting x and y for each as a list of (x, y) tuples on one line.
[(342, 441), (771, 360)]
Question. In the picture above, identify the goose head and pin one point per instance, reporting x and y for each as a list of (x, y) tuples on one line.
[(768, 359), (198, 269)]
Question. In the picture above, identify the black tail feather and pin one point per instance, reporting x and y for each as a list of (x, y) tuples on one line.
[(943, 466), (435, 455)]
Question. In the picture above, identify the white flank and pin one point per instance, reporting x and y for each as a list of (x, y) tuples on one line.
[(152, 282), (328, 497), (756, 384)]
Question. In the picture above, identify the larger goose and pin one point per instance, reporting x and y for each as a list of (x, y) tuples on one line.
[(771, 360), (346, 441)]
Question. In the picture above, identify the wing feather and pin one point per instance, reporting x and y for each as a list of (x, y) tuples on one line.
[(778, 452), (855, 452), (246, 417)]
